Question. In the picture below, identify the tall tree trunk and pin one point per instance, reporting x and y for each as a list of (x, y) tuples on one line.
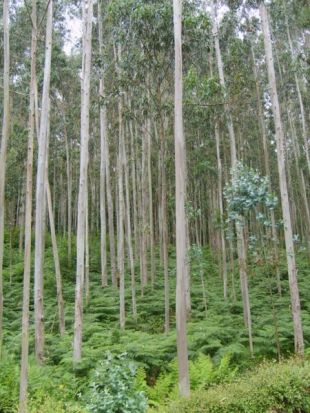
[(164, 223), (220, 203), (129, 235), (60, 301), (40, 194), (81, 218), (120, 171), (103, 139), (134, 190), (69, 195), (28, 216), (150, 196), (21, 217), (144, 224), (288, 233), (4, 143), (110, 213), (87, 286), (180, 161)]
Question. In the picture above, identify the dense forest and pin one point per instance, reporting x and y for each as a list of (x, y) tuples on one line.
[(155, 206)]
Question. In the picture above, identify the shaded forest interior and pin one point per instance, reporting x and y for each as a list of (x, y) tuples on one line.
[(154, 206)]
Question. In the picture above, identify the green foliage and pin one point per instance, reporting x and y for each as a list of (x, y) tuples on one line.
[(8, 385), (203, 373), (210, 339), (46, 384), (247, 190), (53, 405), (112, 387), (273, 387)]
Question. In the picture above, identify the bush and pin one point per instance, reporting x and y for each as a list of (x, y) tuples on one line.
[(274, 387), (112, 388)]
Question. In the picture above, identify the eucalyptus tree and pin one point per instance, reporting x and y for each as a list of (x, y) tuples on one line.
[(103, 143), (121, 203), (28, 216), (281, 158), (40, 192), (4, 143), (180, 162), (81, 213)]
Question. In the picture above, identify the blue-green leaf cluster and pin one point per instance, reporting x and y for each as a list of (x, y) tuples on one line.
[(112, 387), (247, 190)]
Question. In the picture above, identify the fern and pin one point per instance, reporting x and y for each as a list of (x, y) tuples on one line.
[(201, 372)]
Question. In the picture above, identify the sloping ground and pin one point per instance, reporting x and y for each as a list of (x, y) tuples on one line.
[(272, 388), (217, 333)]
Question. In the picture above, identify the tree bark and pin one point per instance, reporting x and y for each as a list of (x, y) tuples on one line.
[(40, 193), (81, 218), (23, 387), (103, 139), (4, 143), (180, 160), (60, 301), (220, 203), (120, 240), (129, 235)]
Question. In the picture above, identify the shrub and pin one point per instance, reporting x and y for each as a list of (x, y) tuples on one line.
[(274, 387), (112, 388)]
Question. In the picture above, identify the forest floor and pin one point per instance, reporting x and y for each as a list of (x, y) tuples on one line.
[(215, 332)]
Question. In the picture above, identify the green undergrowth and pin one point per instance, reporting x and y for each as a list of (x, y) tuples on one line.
[(272, 388), (215, 334)]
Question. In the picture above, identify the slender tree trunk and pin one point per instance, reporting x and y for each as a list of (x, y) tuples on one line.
[(180, 161), (28, 217), (69, 189), (60, 301), (290, 253), (129, 236), (144, 224), (110, 213), (220, 203), (21, 220), (150, 196), (81, 218), (40, 194), (3, 149), (134, 191), (103, 139), (120, 240), (164, 224), (87, 286)]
